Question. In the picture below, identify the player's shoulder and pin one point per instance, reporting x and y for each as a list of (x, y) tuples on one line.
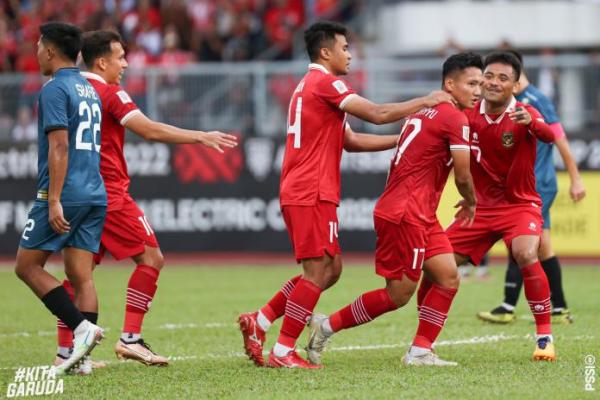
[(446, 109)]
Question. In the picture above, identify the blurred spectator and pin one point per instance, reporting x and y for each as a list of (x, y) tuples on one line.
[(25, 129)]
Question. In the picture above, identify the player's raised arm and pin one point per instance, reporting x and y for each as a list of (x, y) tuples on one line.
[(58, 162), (160, 132), (385, 113), (357, 142), (534, 121)]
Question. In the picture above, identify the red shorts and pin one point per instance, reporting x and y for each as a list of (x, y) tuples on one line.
[(126, 232), (491, 225), (313, 230), (402, 248)]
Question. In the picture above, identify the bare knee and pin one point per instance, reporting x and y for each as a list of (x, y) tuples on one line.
[(401, 290), (525, 256), (23, 272), (152, 257)]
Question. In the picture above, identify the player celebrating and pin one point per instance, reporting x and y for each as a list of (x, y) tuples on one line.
[(546, 186), (310, 185), (409, 235), (69, 210), (127, 232), (503, 145)]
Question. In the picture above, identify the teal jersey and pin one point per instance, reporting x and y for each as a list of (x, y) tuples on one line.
[(545, 173), (69, 102)]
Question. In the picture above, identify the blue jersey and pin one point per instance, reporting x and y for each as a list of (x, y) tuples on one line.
[(545, 173), (69, 102)]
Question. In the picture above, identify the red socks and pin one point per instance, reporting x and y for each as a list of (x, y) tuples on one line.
[(140, 292), (275, 308), (537, 292), (365, 308), (422, 292), (432, 314), (298, 309), (64, 334)]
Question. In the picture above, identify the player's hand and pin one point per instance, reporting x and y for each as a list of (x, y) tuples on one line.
[(577, 190), (520, 116), (216, 139), (438, 96), (465, 213), (56, 218)]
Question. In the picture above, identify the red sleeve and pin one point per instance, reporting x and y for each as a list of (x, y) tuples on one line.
[(559, 132), (456, 130), (538, 128), (120, 105), (334, 91)]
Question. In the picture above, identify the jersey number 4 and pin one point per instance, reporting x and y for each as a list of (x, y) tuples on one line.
[(90, 117), (296, 127)]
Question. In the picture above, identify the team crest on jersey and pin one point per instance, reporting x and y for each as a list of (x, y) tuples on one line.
[(508, 139)]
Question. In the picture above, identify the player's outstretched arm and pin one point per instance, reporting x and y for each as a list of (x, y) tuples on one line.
[(357, 142), (165, 133), (534, 121), (576, 190), (58, 162), (464, 183), (385, 113)]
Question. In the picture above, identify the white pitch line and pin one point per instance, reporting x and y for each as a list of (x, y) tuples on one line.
[(455, 342)]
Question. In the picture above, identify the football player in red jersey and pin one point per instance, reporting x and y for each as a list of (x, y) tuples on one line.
[(127, 233), (310, 185), (503, 145), (409, 235)]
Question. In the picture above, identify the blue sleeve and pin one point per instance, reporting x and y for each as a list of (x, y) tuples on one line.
[(546, 108), (54, 101)]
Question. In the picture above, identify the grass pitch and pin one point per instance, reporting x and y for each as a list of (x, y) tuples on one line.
[(193, 320)]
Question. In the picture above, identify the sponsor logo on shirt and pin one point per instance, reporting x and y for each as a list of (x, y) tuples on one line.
[(124, 97), (532, 226), (340, 87), (508, 139)]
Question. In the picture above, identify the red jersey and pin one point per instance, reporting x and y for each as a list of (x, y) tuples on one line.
[(421, 164), (503, 155), (117, 108), (313, 150)]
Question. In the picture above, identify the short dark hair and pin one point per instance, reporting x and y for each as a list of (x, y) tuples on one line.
[(65, 37), (506, 58), (461, 61), (97, 44), (321, 34)]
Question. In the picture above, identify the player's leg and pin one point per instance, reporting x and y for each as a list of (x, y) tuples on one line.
[(443, 277), (398, 258), (551, 265), (513, 281), (141, 290), (524, 249)]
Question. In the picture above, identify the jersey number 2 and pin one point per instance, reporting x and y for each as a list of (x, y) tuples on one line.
[(89, 118)]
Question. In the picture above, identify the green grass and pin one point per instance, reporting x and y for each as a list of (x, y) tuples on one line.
[(211, 365)]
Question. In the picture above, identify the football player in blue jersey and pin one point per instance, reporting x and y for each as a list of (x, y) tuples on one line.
[(546, 186), (70, 206)]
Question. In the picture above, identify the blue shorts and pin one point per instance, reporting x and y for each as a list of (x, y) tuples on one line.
[(547, 200), (86, 229)]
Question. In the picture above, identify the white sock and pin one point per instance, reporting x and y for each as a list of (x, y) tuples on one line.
[(280, 350), (64, 352), (82, 327), (541, 336), (130, 337), (263, 321), (508, 307), (558, 309), (326, 326), (418, 351)]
